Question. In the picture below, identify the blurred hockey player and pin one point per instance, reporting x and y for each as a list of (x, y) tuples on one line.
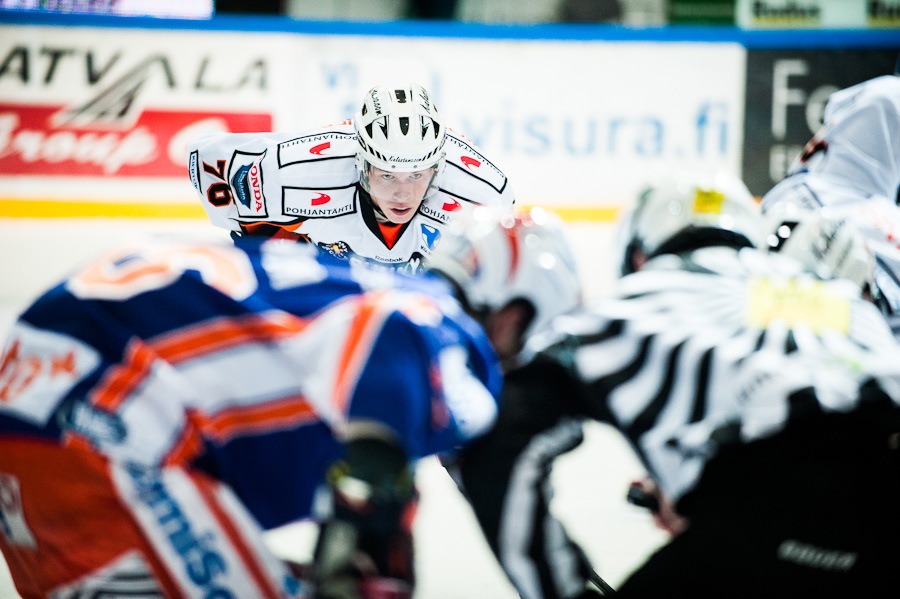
[(167, 403), (851, 166), (381, 186), (515, 273), (831, 247), (762, 400)]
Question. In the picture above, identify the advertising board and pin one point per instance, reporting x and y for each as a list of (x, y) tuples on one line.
[(786, 94), (107, 112)]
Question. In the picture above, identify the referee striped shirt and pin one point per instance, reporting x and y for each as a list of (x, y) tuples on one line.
[(721, 346)]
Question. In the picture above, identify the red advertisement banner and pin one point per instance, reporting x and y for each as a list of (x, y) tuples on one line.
[(44, 141)]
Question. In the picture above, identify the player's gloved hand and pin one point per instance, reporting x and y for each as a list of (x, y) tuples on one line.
[(365, 546), (647, 494)]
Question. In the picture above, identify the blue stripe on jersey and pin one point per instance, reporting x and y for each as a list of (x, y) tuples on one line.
[(417, 412), (276, 474)]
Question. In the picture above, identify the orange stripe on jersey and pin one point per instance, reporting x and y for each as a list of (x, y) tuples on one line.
[(120, 380), (207, 488), (224, 333), (189, 444), (362, 333), (270, 416), (218, 334)]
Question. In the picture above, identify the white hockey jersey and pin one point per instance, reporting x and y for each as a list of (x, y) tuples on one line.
[(308, 184), (852, 165)]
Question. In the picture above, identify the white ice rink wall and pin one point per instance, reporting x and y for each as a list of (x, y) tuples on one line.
[(95, 114)]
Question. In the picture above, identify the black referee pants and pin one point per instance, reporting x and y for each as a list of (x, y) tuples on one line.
[(811, 512)]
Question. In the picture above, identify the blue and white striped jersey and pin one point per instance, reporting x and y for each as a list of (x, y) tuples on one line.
[(246, 362)]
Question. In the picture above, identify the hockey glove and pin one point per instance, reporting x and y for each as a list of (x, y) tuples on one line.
[(365, 547)]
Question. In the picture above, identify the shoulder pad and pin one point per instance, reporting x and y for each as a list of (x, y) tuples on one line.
[(463, 156), (325, 143)]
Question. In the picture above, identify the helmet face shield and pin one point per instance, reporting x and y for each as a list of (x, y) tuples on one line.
[(399, 130)]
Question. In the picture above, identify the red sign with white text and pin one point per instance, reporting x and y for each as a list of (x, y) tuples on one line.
[(37, 140)]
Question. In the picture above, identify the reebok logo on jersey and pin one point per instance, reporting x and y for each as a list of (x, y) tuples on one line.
[(469, 162), (452, 206), (322, 199), (317, 150)]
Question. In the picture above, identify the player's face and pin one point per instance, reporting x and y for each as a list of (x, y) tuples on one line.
[(398, 195)]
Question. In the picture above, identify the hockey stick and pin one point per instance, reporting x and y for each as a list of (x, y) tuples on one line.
[(601, 584)]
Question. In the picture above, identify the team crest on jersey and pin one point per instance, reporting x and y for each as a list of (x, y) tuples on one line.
[(247, 184), (338, 249), (431, 235), (38, 368)]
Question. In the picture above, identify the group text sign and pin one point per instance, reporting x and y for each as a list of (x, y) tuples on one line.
[(106, 104), (572, 122)]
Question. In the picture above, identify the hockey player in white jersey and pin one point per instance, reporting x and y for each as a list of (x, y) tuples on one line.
[(851, 166), (379, 187), (762, 399)]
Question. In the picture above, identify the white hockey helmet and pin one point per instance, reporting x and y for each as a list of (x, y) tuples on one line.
[(826, 244), (399, 129), (687, 211), (495, 258)]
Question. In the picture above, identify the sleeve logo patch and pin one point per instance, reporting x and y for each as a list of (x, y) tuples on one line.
[(246, 181)]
